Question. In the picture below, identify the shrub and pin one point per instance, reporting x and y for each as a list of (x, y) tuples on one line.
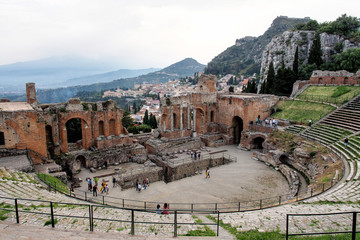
[(341, 90)]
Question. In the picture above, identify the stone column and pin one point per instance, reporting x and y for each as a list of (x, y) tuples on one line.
[(159, 125), (188, 118), (194, 120), (172, 119), (181, 118)]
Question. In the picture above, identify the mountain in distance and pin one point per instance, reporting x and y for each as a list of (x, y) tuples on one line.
[(109, 76), (245, 56), (186, 67), (49, 72)]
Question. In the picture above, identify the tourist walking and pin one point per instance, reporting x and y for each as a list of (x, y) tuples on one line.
[(96, 179), (310, 122), (114, 181), (147, 181), (199, 155), (89, 184), (95, 190), (165, 209), (191, 153), (144, 184), (136, 185), (195, 155), (139, 186), (207, 173), (346, 142)]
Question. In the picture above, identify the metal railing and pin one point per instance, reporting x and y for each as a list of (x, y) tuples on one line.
[(228, 207), (314, 222), (184, 160), (93, 213), (326, 99)]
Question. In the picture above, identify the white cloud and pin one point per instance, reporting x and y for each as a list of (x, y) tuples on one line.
[(143, 33)]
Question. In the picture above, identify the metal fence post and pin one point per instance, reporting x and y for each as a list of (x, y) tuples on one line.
[(85, 197), (145, 205), (260, 203), (192, 208), (17, 211), (132, 222), (353, 234), (279, 200), (52, 215), (90, 218), (123, 202), (287, 226), (215, 206), (323, 187), (175, 223), (55, 187), (218, 224)]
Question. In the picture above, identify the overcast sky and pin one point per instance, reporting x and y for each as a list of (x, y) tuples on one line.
[(144, 33)]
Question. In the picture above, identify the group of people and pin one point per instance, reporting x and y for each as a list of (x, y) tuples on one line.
[(268, 122), (164, 210), (195, 155), (93, 186), (139, 186)]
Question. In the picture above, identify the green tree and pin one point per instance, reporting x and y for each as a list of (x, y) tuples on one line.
[(152, 121), (315, 52), (306, 71), (296, 62), (146, 117), (348, 60), (126, 120), (270, 78)]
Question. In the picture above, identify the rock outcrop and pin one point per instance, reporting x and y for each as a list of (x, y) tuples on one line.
[(282, 49)]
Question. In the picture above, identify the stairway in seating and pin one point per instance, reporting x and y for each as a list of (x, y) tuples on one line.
[(347, 116)]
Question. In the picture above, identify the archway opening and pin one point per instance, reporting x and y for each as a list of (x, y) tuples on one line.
[(49, 141), (284, 159), (112, 127), (163, 122), (82, 160), (237, 126), (320, 81), (2, 138), (175, 122), (212, 116), (101, 128), (333, 80), (73, 128), (258, 141), (346, 80), (199, 120)]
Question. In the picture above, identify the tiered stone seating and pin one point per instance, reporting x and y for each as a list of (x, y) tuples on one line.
[(15, 184), (325, 134), (347, 117), (295, 129)]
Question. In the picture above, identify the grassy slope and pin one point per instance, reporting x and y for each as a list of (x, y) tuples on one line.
[(324, 93), (301, 111)]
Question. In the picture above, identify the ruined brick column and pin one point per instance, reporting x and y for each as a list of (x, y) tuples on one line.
[(194, 120), (172, 119), (188, 118), (30, 93), (181, 117), (160, 127)]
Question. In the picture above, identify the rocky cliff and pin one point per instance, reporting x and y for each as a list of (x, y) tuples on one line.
[(245, 56), (282, 49)]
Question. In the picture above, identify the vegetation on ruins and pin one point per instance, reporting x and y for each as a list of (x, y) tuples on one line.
[(301, 111), (126, 120), (54, 182)]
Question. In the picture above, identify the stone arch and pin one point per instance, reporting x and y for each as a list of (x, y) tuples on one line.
[(346, 80), (101, 128), (82, 161), (237, 127), (73, 129), (320, 81), (2, 138), (112, 127), (284, 159), (332, 80), (257, 142)]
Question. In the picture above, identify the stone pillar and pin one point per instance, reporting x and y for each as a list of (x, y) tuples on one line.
[(188, 118), (159, 125), (30, 93), (106, 125), (181, 118), (172, 119), (194, 120)]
